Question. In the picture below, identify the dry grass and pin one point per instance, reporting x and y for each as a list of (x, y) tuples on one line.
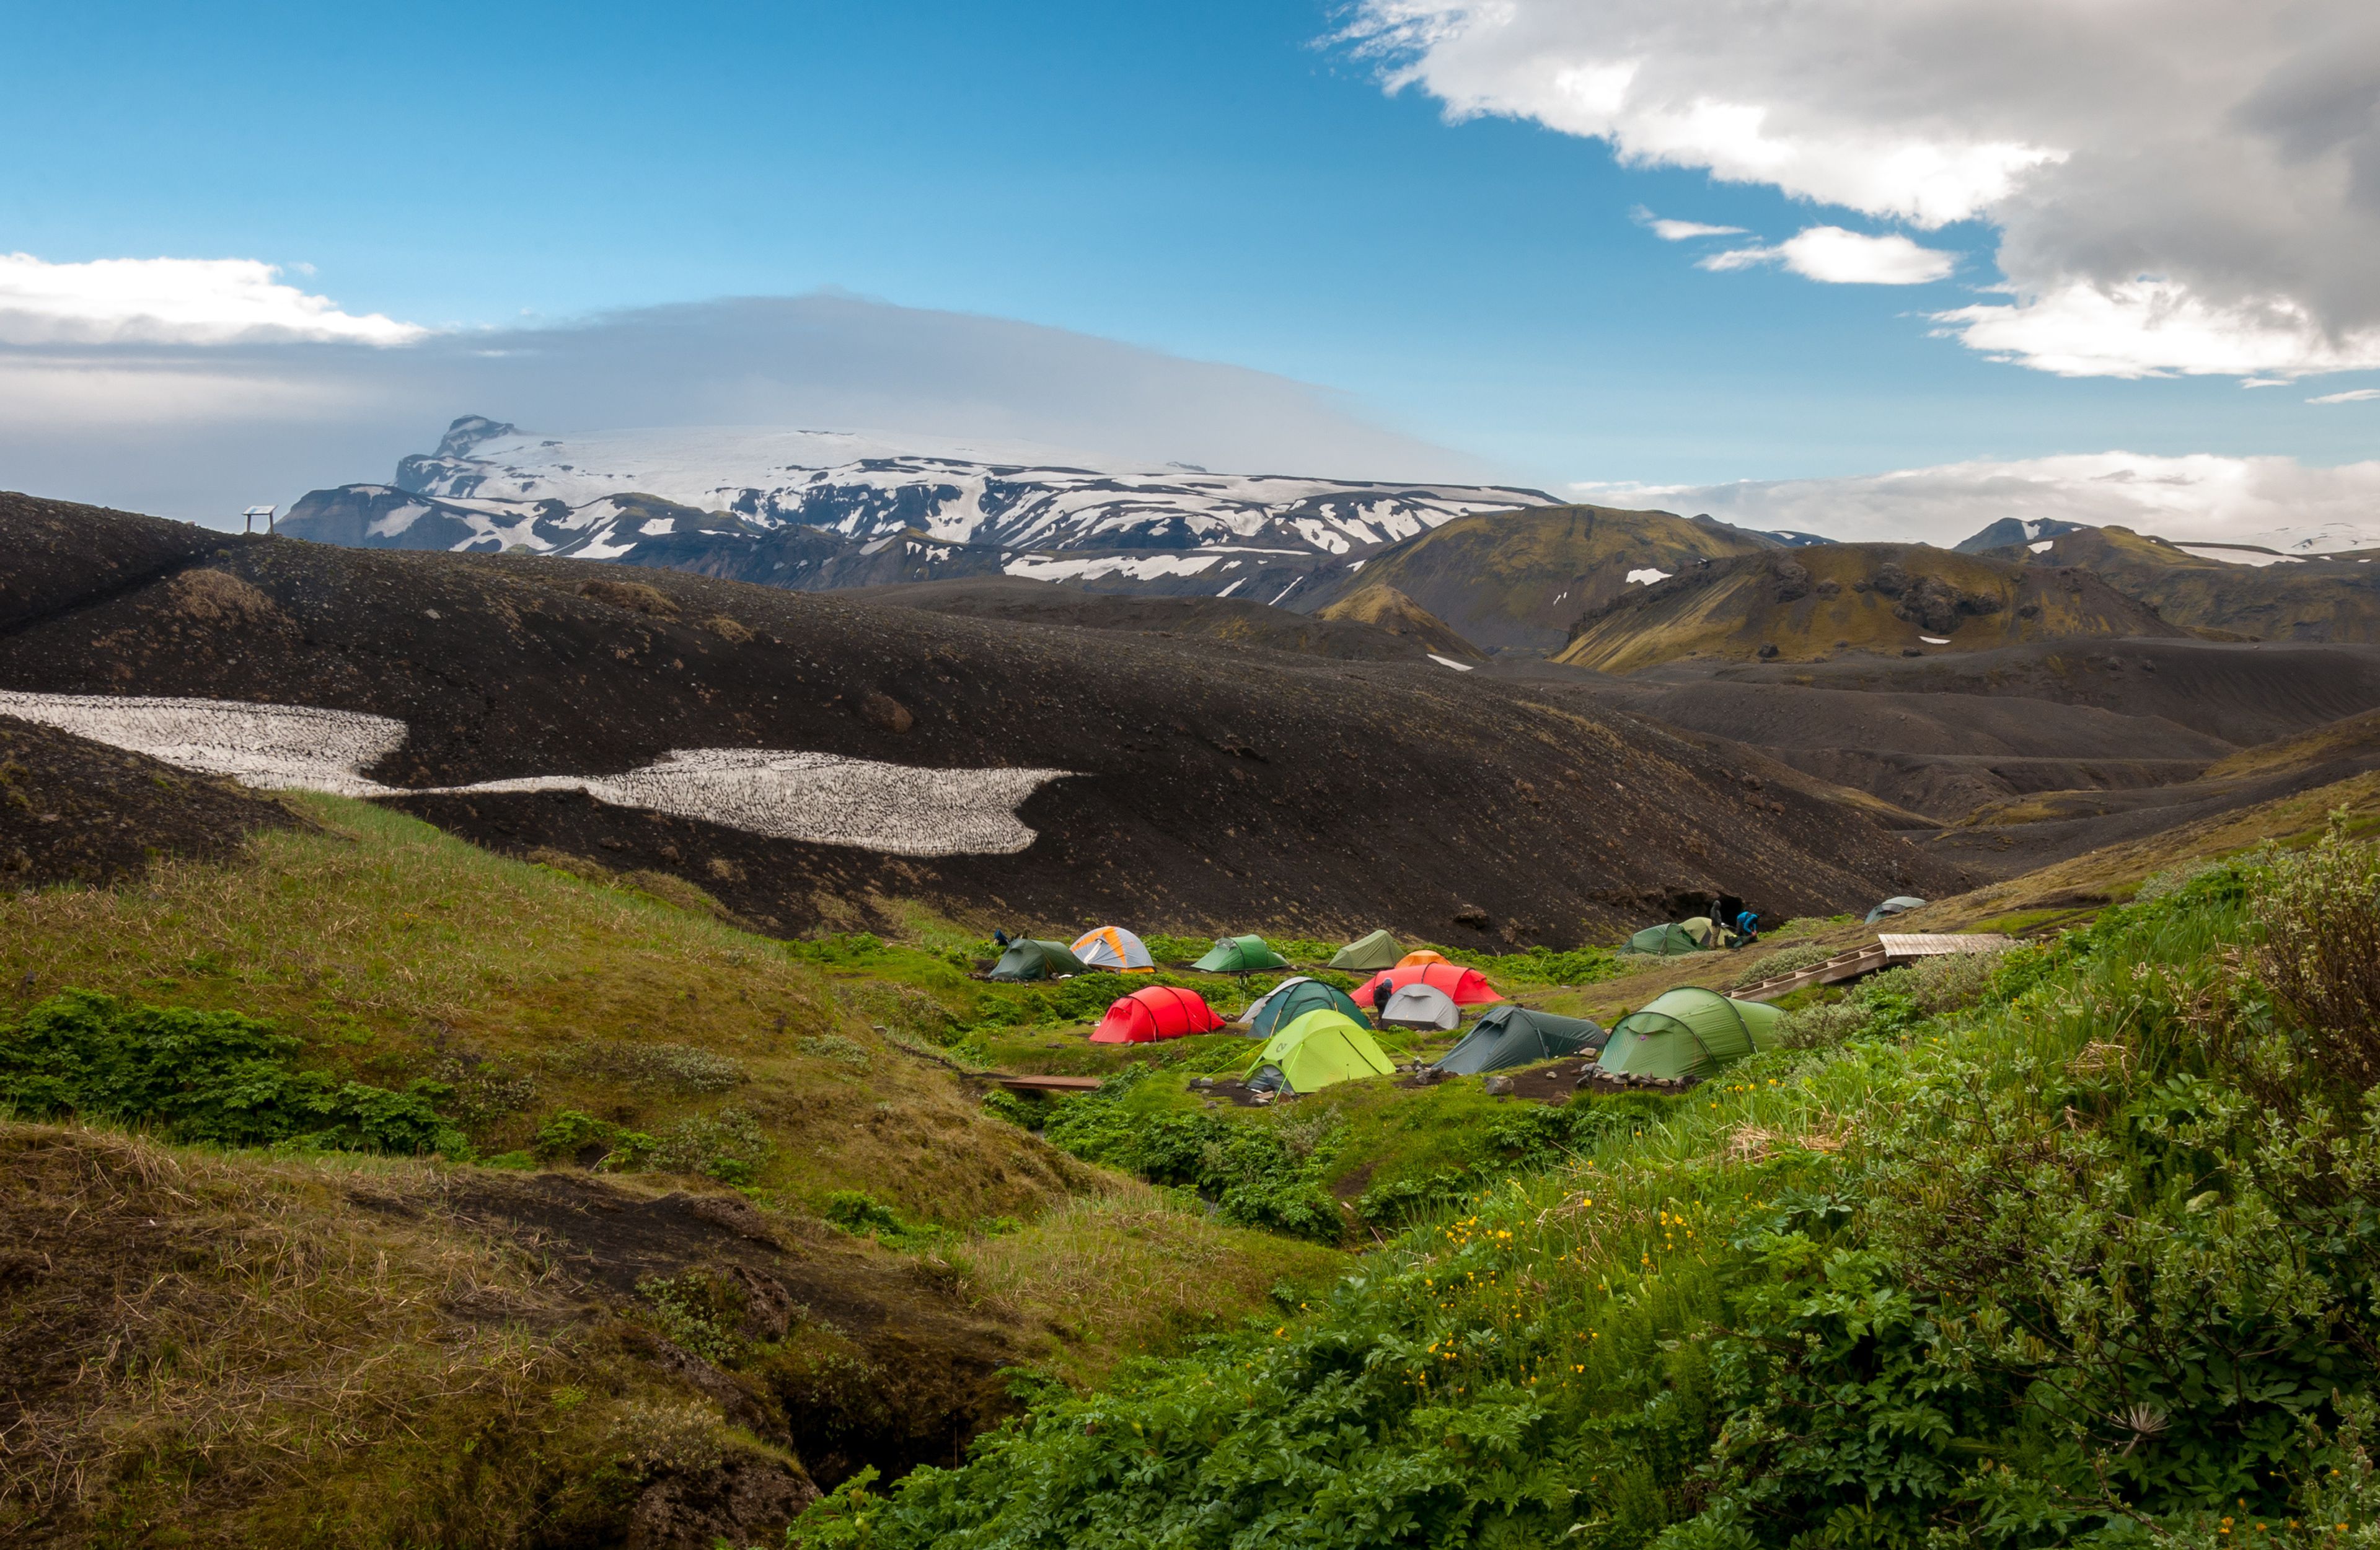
[(197, 1340), (1131, 1271)]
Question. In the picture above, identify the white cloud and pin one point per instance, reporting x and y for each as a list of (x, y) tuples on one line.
[(2356, 396), (2158, 328), (1680, 231), (1845, 258), (173, 301), (2276, 501), (2226, 149)]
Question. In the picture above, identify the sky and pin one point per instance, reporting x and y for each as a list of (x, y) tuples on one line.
[(1617, 247)]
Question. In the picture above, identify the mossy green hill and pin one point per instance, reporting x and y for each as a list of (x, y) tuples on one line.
[(1515, 580), (2313, 599), (1815, 602)]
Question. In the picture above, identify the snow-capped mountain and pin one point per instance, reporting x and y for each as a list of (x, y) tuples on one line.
[(815, 509)]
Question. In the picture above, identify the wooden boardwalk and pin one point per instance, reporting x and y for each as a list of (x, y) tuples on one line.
[(1890, 951)]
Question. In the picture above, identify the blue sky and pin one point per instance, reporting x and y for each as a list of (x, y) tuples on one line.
[(1212, 180)]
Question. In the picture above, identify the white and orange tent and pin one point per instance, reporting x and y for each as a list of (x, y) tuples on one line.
[(1116, 949)]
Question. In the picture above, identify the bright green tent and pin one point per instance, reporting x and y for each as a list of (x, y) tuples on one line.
[(1240, 955), (1034, 960), (1667, 941), (1321, 1048), (1291, 999), (1688, 1032), (1368, 954)]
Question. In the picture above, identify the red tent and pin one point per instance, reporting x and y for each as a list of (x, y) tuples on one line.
[(1159, 1011), (1465, 987)]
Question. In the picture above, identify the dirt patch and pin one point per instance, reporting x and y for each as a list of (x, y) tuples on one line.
[(72, 810), (875, 1364), (1239, 1094)]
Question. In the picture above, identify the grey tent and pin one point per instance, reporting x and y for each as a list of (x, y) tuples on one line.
[(1027, 959), (1511, 1037), (1291, 999), (1368, 954), (1893, 905), (1421, 1006)]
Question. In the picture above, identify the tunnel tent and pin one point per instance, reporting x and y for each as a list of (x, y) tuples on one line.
[(1291, 999), (1688, 1032), (1029, 958), (1318, 1048), (1420, 956), (1240, 955), (1158, 1012), (1465, 987), (1666, 941), (1421, 1006), (1508, 1037), (1894, 905), (1116, 949), (1368, 954)]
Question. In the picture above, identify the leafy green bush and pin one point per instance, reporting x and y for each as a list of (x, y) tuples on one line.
[(1784, 961), (862, 1215), (202, 1076), (1257, 1174), (2317, 950)]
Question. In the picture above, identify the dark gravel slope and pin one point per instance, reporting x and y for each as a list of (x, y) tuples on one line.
[(1214, 788)]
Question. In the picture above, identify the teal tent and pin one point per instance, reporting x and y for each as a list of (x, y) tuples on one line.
[(1688, 1032), (1240, 955), (1034, 960), (1510, 1036), (1291, 999)]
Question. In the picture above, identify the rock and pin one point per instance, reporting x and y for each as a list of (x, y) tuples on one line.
[(880, 710), (1769, 652), (1471, 914), (1202, 1082), (1499, 1086)]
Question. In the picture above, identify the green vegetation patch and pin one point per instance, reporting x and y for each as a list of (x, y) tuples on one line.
[(201, 1076)]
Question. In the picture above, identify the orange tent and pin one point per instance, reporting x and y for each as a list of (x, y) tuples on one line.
[(1412, 960), (1465, 987), (1159, 1011)]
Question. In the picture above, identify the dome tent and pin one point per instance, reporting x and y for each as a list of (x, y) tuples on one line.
[(1421, 1006), (1291, 999), (1159, 1011), (1029, 959), (1114, 949), (1418, 957), (1688, 1032), (1240, 955), (1667, 941), (1367, 954), (1465, 987), (1510, 1037), (1893, 905), (1321, 1047)]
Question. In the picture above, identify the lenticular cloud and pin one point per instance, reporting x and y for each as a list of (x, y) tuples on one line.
[(782, 794)]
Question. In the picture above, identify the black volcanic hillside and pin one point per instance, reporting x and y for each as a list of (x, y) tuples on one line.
[(1244, 790), (1239, 620)]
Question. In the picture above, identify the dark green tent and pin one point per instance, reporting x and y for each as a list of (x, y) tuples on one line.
[(1368, 954), (1240, 955), (1291, 999), (1666, 940), (1513, 1035), (1688, 1032), (1032, 960)]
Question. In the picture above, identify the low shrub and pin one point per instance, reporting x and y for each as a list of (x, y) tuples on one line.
[(202, 1076), (679, 1068), (1785, 960)]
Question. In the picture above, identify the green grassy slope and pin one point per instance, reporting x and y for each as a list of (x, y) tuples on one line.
[(2080, 1261), (291, 1345)]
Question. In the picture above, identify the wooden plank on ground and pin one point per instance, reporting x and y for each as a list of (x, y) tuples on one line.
[(1048, 1083), (1934, 944)]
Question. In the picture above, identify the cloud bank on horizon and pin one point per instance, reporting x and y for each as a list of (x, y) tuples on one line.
[(2276, 503), (2181, 187)]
